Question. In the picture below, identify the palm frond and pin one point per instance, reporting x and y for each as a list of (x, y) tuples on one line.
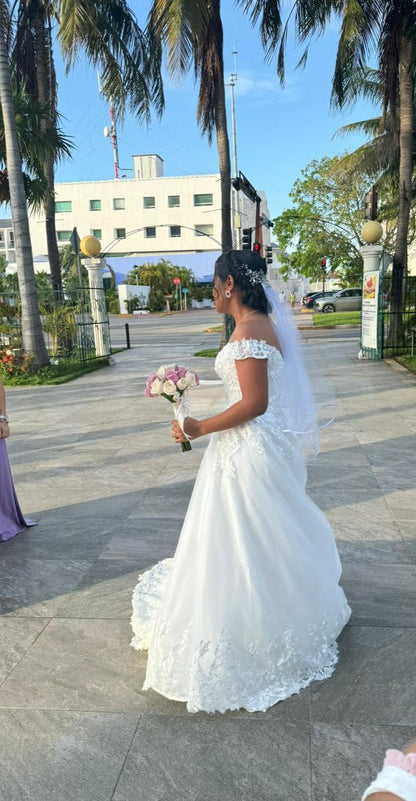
[(176, 24)]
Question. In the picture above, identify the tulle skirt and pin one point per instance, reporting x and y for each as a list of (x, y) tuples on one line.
[(248, 610)]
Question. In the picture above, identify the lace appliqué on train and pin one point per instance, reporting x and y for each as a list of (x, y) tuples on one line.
[(226, 675)]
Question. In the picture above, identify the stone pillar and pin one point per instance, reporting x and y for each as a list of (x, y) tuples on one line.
[(98, 311), (371, 320)]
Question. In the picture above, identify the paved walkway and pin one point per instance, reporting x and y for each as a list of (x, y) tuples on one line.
[(94, 464)]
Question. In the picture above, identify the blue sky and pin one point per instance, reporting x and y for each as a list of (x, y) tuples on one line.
[(279, 130)]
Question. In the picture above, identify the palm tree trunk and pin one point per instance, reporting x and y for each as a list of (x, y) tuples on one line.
[(405, 191), (45, 74), (33, 341), (224, 161)]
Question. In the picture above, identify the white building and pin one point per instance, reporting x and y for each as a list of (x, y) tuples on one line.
[(145, 215), (7, 242)]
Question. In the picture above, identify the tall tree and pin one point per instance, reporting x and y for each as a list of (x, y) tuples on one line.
[(325, 220), (108, 33), (33, 341), (192, 32)]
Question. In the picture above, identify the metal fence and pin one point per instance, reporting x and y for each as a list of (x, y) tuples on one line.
[(72, 329), (398, 329)]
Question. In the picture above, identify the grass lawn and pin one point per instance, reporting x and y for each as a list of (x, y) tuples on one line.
[(337, 318), (408, 361), (213, 329), (211, 352), (65, 370)]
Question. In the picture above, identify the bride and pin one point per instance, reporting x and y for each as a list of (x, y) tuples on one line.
[(248, 610)]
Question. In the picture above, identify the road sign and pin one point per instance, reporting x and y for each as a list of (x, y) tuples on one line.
[(176, 281), (185, 291)]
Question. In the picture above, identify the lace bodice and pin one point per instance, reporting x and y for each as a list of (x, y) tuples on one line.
[(225, 368), (272, 425)]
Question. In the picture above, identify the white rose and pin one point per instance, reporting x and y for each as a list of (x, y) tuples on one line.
[(156, 387), (176, 396), (190, 379), (169, 388), (161, 372), (182, 383)]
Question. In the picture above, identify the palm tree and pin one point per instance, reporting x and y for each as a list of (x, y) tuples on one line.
[(389, 28), (192, 33), (33, 341), (34, 145), (108, 33)]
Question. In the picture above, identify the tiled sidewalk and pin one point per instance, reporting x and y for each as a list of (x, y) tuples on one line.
[(93, 462)]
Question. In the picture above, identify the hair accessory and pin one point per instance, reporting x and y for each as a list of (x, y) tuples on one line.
[(256, 277)]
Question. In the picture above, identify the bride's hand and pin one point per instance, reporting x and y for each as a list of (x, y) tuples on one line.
[(191, 426)]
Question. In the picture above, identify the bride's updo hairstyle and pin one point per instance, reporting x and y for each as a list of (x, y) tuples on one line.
[(248, 270)]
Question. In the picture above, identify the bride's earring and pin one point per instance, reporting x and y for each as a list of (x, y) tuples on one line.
[(227, 293)]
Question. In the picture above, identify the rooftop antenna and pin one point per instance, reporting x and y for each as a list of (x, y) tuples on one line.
[(111, 132)]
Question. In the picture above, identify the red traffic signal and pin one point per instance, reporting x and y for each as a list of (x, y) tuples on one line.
[(323, 263), (257, 247)]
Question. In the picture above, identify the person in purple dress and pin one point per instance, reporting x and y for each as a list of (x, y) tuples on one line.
[(11, 518)]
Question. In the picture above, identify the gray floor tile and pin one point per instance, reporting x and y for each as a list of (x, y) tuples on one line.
[(347, 757), (105, 591), (82, 665), (16, 637), (216, 759), (62, 756), (37, 587), (372, 683), (381, 595)]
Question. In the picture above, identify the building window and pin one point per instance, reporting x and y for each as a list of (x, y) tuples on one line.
[(63, 236), (203, 200), (204, 230), (148, 202), (63, 205), (11, 239), (119, 203), (95, 205), (96, 232), (1, 239), (150, 233), (175, 230), (174, 201), (119, 233)]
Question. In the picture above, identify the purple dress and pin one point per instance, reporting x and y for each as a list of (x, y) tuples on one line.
[(11, 518)]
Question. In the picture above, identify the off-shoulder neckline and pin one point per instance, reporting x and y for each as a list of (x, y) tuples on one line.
[(253, 339)]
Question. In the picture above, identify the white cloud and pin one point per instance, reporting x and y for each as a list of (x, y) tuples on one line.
[(262, 89)]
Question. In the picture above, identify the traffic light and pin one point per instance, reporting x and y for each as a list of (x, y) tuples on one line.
[(269, 255), (257, 247), (370, 204), (323, 264), (246, 240)]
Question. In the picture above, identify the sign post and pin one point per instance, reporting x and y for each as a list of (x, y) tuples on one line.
[(177, 282)]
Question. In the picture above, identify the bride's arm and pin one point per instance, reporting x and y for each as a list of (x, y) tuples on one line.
[(252, 377)]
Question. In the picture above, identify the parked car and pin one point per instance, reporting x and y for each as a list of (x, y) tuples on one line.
[(309, 302), (344, 300), (307, 296)]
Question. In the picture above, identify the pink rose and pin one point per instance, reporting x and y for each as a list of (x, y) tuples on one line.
[(181, 371)]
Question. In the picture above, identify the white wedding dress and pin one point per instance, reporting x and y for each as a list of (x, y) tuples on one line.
[(248, 610)]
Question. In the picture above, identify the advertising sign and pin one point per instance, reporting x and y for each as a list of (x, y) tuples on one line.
[(371, 284)]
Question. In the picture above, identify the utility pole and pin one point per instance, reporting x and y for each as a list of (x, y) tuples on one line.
[(112, 131), (235, 193)]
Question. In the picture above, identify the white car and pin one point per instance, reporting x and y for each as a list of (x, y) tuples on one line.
[(345, 300)]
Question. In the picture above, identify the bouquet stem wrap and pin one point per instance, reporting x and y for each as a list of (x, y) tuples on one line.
[(181, 410)]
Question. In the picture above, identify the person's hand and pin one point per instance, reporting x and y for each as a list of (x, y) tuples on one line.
[(191, 426), (4, 430)]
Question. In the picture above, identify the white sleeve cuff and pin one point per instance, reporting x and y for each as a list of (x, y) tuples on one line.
[(393, 780)]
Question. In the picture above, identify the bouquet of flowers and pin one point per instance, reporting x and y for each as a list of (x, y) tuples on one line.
[(171, 381)]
